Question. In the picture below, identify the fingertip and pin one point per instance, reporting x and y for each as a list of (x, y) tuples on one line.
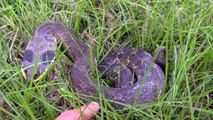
[(90, 110), (94, 106)]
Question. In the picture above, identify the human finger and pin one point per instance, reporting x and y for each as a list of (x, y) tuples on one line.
[(89, 110), (84, 112)]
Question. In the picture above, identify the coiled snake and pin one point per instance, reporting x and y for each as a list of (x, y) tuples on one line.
[(134, 71)]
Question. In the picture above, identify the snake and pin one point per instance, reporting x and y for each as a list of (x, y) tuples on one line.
[(135, 76)]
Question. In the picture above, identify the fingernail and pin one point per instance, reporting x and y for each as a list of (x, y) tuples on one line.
[(94, 103)]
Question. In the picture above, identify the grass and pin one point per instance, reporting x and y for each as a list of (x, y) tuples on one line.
[(184, 27)]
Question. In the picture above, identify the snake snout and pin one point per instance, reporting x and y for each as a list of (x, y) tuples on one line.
[(30, 72), (30, 75)]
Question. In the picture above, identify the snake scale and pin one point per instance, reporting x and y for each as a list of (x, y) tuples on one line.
[(132, 70)]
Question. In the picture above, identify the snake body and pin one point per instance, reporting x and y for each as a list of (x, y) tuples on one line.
[(138, 79)]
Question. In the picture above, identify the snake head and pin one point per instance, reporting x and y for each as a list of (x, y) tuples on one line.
[(35, 65), (32, 71)]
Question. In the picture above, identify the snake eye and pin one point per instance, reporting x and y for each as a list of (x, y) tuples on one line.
[(36, 76)]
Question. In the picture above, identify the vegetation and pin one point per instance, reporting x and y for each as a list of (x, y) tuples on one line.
[(185, 27)]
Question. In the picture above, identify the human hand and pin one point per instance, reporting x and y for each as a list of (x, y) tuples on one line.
[(82, 113)]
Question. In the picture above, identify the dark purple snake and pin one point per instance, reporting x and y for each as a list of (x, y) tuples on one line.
[(132, 71)]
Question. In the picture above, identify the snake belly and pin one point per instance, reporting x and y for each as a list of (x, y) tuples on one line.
[(139, 79)]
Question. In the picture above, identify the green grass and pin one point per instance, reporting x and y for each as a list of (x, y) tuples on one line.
[(185, 28)]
